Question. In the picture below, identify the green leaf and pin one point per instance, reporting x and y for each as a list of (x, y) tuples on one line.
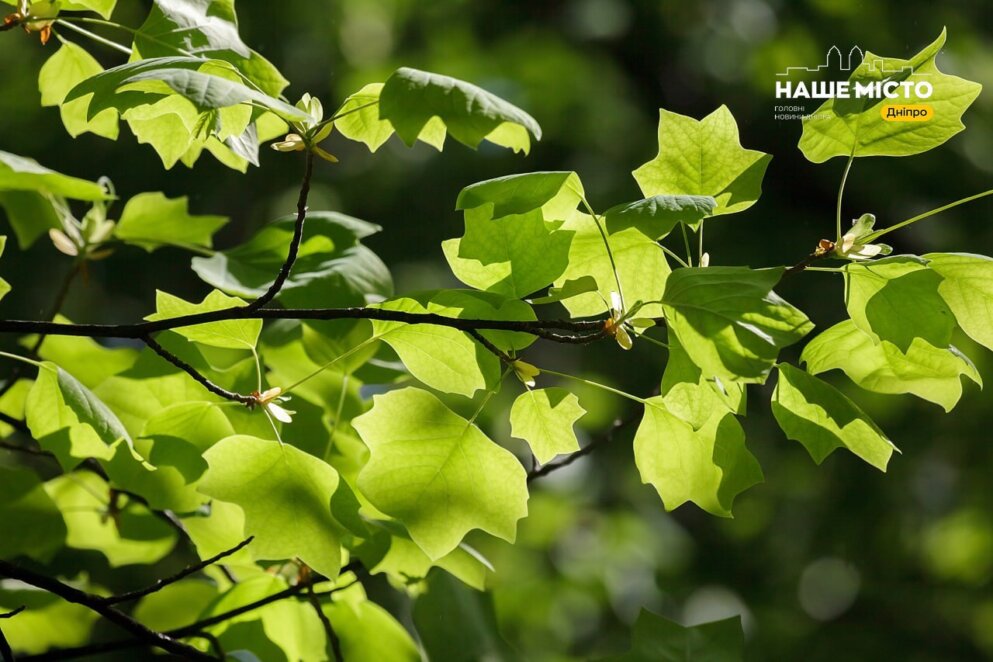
[(4, 285), (729, 320), (411, 98), (30, 214), (967, 289), (447, 359), (367, 632), (569, 289), (455, 622), (693, 397), (704, 157), (897, 299), (69, 66), (556, 194), (103, 7), (857, 126), (48, 622), (232, 334), (822, 418), (285, 494), (282, 630), (26, 508), (658, 215), (640, 264), (514, 256), (657, 639), (19, 173), (131, 534), (544, 418), (391, 551), (175, 605), (360, 121), (206, 28), (332, 267), (924, 370), (69, 420), (709, 465), (84, 358), (151, 220), (437, 473)]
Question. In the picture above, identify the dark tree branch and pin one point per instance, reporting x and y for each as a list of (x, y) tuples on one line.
[(194, 628), (587, 330), (5, 652), (481, 339), (182, 574), (11, 614), (142, 634), (199, 378), (602, 439), (294, 249), (332, 636)]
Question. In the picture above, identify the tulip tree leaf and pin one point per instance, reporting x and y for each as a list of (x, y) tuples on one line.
[(544, 418), (233, 333), (207, 28), (709, 466), (4, 285), (332, 267), (103, 7), (368, 633), (822, 418), (285, 494), (568, 289), (26, 508), (658, 215), (967, 289), (729, 320), (360, 121), (897, 299), (929, 372), (19, 173), (857, 127), (69, 66), (445, 358), (704, 157), (640, 263), (693, 397), (151, 220), (411, 98), (657, 639), (556, 194), (69, 420), (437, 473)]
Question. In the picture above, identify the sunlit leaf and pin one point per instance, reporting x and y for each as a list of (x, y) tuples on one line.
[(855, 126), (451, 477), (233, 333), (151, 220), (704, 157), (822, 418), (967, 289), (544, 418), (69, 66), (286, 496), (658, 215)]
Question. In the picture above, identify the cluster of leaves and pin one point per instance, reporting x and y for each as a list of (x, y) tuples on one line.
[(393, 485)]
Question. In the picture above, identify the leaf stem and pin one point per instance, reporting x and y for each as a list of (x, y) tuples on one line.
[(686, 243), (606, 243), (598, 385), (673, 255), (338, 116), (699, 257), (95, 37), (841, 193), (920, 217)]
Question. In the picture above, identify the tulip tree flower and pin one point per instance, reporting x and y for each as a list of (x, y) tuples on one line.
[(852, 244), (271, 401)]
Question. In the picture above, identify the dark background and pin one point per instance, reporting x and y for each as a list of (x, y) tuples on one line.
[(831, 562)]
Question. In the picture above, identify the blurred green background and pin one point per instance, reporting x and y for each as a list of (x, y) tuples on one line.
[(830, 562)]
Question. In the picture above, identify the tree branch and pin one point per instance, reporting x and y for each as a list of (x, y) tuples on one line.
[(182, 574), (332, 636), (294, 249), (604, 438), (142, 634), (192, 372), (194, 629)]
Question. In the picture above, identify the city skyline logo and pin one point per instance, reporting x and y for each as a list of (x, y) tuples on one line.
[(887, 83)]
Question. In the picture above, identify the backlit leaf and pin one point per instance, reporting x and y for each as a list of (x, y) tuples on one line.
[(151, 220), (544, 418)]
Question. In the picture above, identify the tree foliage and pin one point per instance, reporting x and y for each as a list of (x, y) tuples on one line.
[(306, 405)]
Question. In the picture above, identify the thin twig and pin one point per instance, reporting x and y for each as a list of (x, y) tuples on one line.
[(5, 651), (604, 438), (481, 339), (182, 574), (294, 249), (332, 636), (142, 634), (192, 629), (195, 374)]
